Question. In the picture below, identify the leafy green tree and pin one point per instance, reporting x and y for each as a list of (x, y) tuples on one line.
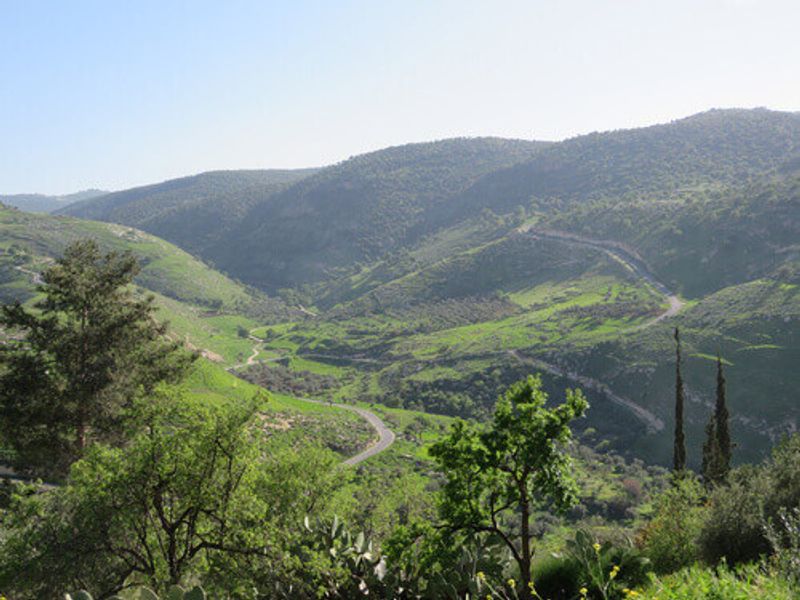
[(679, 450), (200, 491), (498, 475), (80, 358)]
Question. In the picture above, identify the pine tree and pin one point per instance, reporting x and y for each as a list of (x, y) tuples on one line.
[(679, 452), (78, 361), (722, 427)]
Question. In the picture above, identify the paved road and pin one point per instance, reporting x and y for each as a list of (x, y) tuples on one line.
[(651, 421), (386, 436), (638, 267), (624, 255)]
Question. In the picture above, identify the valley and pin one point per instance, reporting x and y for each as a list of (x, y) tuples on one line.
[(369, 339)]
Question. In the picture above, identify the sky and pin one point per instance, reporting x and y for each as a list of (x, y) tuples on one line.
[(110, 95)]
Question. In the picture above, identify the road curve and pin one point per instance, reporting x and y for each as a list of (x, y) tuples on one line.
[(624, 255), (386, 436), (638, 267), (652, 422)]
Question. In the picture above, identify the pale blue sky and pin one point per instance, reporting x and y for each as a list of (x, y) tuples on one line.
[(113, 94)]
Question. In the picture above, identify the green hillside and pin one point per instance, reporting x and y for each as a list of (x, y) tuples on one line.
[(423, 289), (46, 204), (204, 306), (192, 212)]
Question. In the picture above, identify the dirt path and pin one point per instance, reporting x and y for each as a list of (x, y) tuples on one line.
[(35, 277)]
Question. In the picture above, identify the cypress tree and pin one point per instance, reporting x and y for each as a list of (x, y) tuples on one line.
[(710, 452), (679, 451), (721, 427)]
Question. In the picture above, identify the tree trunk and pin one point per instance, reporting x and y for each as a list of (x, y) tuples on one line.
[(525, 539)]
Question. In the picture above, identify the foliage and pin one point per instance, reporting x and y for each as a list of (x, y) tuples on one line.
[(669, 539), (197, 490), (784, 538), (748, 582), (717, 445), (605, 570), (752, 497), (431, 562), (175, 592), (85, 354), (509, 468)]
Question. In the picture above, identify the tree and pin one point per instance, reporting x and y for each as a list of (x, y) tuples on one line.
[(80, 358), (198, 492), (722, 426), (679, 450), (710, 451), (499, 474), (717, 447)]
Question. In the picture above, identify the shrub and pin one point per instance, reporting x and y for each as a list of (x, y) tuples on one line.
[(669, 540), (749, 582), (734, 528), (605, 570), (557, 577), (784, 537)]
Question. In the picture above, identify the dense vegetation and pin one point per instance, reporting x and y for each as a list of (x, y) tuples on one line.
[(421, 283), (215, 482), (45, 204), (427, 294)]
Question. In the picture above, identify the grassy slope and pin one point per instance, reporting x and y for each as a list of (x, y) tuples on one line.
[(203, 306)]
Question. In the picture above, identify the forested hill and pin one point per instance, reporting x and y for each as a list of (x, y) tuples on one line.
[(191, 211), (359, 210), (710, 148), (278, 229), (44, 203)]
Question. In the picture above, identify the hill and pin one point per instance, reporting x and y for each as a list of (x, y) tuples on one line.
[(284, 235), (46, 204), (191, 211), (427, 292), (204, 306)]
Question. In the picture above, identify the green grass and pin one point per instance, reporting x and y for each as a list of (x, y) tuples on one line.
[(167, 269)]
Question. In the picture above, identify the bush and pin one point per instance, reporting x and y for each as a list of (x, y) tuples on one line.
[(734, 528), (603, 570), (557, 578), (750, 582), (784, 537), (669, 540), (752, 498)]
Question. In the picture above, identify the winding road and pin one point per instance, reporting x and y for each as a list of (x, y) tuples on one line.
[(386, 436), (622, 254), (634, 263), (35, 277)]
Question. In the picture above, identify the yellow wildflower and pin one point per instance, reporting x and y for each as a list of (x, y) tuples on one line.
[(614, 572), (596, 547), (511, 583), (583, 592)]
